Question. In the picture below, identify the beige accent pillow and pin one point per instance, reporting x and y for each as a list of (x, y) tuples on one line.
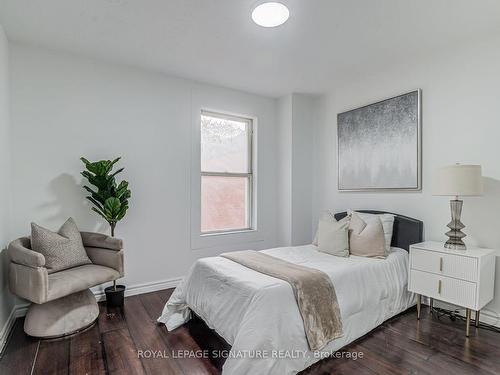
[(333, 237), (387, 223), (366, 239), (62, 250)]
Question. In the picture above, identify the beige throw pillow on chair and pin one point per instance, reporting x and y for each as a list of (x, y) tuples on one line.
[(366, 239), (333, 237), (62, 250)]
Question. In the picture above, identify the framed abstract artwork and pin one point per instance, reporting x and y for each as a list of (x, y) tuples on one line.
[(379, 145)]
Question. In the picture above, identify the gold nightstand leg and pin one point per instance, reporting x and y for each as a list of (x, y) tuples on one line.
[(467, 322), (477, 318), (419, 304)]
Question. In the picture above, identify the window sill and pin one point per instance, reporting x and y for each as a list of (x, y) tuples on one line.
[(226, 241), (226, 233)]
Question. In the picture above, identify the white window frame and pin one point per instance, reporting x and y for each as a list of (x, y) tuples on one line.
[(250, 174)]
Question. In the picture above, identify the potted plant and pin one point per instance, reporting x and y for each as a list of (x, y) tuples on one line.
[(110, 201)]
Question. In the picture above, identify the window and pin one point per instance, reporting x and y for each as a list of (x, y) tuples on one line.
[(226, 173)]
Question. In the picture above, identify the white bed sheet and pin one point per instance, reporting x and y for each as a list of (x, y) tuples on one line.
[(258, 315)]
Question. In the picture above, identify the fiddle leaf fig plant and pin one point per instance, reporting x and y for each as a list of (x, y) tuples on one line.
[(110, 199)]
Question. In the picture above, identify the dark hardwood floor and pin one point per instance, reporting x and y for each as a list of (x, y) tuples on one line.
[(399, 346)]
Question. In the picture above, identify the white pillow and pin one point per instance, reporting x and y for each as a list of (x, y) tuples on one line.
[(333, 237), (387, 224), (327, 216)]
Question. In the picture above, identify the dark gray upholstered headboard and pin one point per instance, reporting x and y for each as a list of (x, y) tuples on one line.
[(406, 231)]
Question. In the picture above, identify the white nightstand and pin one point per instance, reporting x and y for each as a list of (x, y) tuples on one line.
[(461, 277)]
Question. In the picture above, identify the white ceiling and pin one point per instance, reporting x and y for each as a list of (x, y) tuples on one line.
[(215, 41)]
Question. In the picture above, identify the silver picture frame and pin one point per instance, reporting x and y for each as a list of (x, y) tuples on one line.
[(417, 186)]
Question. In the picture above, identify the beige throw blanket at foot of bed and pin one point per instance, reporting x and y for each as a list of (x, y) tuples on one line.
[(313, 290)]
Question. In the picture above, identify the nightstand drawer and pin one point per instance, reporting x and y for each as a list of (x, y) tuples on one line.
[(447, 289), (457, 266)]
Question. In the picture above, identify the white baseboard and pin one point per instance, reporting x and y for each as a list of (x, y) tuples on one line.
[(487, 316), (20, 310), (142, 288), (490, 317), (4, 334), (16, 312)]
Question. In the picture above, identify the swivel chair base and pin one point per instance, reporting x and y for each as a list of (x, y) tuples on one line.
[(63, 316)]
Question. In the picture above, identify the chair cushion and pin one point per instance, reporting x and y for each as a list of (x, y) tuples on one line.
[(79, 278), (62, 250)]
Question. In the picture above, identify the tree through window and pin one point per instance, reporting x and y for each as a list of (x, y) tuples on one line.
[(226, 173)]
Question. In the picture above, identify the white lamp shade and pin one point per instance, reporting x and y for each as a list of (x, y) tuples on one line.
[(458, 180)]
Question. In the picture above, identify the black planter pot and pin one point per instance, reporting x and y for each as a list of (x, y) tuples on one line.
[(115, 297)]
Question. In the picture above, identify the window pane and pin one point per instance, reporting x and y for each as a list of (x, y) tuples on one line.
[(224, 203), (224, 145)]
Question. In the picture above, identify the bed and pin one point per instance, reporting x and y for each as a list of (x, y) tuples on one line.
[(257, 315)]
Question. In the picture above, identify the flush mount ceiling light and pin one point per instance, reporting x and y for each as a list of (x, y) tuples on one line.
[(270, 14)]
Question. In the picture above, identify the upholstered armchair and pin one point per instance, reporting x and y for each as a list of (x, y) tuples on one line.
[(62, 301)]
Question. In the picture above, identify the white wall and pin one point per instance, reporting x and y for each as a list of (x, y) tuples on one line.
[(297, 115), (284, 225), (461, 123), (6, 299), (64, 107), (303, 117)]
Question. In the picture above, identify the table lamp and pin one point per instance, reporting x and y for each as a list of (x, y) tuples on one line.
[(458, 180)]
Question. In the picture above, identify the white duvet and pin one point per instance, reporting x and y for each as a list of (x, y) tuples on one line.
[(258, 315)]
